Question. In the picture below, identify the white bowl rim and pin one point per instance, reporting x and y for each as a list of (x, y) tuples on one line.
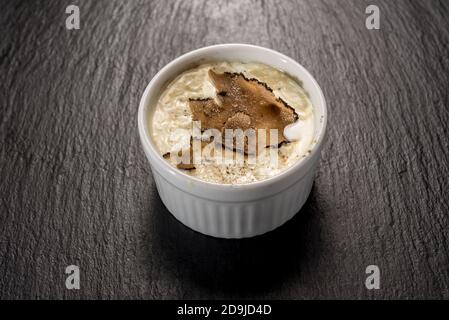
[(148, 144)]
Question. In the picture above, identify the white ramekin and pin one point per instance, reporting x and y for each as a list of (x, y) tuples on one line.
[(233, 211)]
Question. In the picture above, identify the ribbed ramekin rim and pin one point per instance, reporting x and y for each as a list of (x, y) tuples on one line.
[(301, 178), (149, 146)]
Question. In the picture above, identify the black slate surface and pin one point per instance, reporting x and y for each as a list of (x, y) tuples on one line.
[(75, 186)]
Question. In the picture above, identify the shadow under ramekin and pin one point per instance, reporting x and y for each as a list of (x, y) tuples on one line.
[(248, 268)]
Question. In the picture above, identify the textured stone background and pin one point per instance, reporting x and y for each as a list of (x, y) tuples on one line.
[(75, 187)]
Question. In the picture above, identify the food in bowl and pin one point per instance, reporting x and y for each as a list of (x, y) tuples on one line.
[(267, 113), (237, 210)]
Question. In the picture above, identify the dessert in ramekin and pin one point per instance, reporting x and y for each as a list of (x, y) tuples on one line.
[(247, 199)]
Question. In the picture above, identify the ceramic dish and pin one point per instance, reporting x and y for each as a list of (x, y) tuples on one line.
[(241, 210)]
